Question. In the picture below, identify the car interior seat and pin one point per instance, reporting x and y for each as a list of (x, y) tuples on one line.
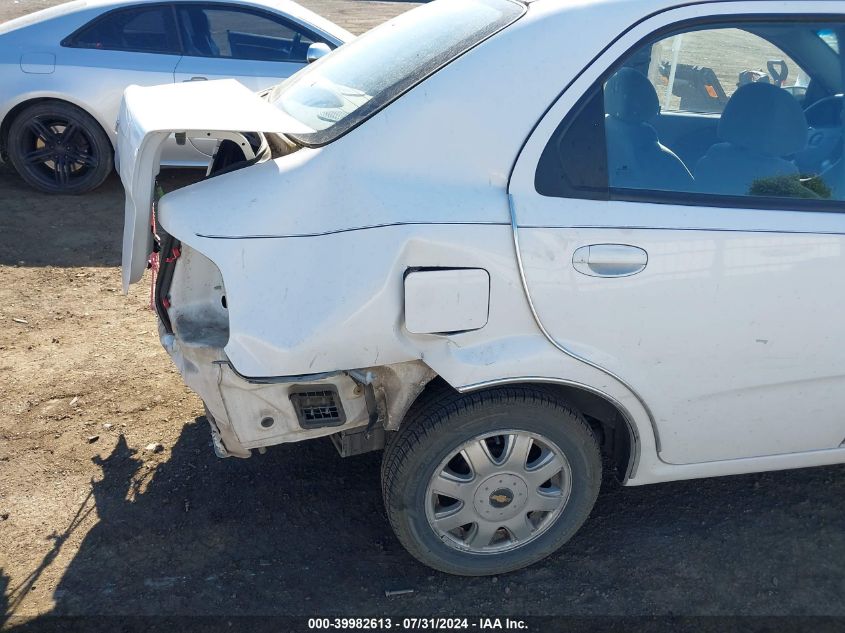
[(760, 126), (199, 33), (635, 157), (834, 176)]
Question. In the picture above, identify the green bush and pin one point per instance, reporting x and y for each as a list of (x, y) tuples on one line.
[(808, 187)]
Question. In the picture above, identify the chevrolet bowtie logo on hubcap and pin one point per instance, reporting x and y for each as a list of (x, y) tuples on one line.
[(501, 498)]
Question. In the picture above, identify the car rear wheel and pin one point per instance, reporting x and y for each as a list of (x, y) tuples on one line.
[(58, 148), (486, 483)]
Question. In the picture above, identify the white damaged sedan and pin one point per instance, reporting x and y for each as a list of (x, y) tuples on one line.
[(512, 242)]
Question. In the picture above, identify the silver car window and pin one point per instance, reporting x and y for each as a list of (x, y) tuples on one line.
[(148, 29), (234, 33)]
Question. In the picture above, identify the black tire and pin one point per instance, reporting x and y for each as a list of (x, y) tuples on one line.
[(59, 148), (440, 423)]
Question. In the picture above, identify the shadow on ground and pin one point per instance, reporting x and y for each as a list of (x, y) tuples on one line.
[(300, 531), (38, 229), (4, 595)]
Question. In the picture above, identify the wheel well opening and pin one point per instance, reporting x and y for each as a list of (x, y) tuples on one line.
[(614, 432)]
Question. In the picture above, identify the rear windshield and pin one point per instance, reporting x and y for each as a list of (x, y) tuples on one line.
[(338, 92)]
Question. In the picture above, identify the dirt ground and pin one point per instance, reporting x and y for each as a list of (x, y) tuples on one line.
[(93, 523)]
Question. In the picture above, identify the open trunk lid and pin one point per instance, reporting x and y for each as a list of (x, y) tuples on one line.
[(148, 116)]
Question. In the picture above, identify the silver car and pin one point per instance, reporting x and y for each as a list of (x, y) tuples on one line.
[(64, 70)]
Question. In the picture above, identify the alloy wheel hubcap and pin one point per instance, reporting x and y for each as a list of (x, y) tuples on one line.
[(498, 491), (57, 151)]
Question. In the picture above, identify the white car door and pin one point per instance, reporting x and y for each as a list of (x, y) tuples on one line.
[(257, 48), (713, 284)]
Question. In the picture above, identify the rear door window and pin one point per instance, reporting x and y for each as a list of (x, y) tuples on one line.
[(727, 115)]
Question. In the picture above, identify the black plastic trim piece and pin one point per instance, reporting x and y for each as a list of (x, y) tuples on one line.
[(739, 203), (308, 398)]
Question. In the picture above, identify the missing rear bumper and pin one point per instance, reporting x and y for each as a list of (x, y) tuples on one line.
[(246, 413)]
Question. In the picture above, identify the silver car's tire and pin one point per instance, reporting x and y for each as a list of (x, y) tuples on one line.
[(59, 148), (490, 482)]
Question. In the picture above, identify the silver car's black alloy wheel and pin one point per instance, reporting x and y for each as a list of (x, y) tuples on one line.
[(58, 148)]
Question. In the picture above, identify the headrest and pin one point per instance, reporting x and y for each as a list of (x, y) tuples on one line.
[(764, 119), (629, 96), (635, 134)]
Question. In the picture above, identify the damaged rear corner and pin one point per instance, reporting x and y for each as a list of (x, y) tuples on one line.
[(355, 407)]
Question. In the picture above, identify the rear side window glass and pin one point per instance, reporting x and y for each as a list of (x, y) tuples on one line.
[(238, 34), (728, 115), (143, 30)]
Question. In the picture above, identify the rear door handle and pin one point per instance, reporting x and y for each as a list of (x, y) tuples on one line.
[(196, 79), (609, 260)]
